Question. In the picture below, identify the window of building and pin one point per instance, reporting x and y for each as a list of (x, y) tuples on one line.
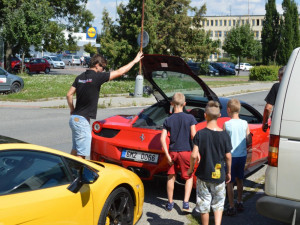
[(229, 22), (243, 22), (253, 22), (257, 34), (221, 21), (225, 22), (203, 23), (216, 22), (233, 22), (207, 22), (211, 34), (225, 33), (211, 22), (257, 22), (247, 21)]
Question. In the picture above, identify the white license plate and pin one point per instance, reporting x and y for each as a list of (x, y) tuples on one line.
[(139, 156)]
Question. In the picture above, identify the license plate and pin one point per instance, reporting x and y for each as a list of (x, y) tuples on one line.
[(139, 156)]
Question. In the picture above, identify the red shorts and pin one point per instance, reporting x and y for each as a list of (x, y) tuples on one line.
[(181, 159)]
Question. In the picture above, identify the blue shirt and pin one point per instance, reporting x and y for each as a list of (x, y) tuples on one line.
[(179, 126), (237, 130)]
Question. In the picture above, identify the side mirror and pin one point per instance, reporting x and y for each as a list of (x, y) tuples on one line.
[(86, 176)]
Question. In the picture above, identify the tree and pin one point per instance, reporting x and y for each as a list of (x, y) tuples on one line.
[(287, 33), (295, 24), (89, 48), (270, 33), (240, 42), (27, 22)]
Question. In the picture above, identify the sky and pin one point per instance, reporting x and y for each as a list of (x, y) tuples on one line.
[(214, 7)]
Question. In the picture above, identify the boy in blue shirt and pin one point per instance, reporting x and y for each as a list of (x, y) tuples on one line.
[(181, 127), (238, 131)]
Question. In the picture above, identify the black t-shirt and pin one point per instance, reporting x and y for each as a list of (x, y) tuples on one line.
[(213, 145), (179, 126), (88, 86), (271, 97)]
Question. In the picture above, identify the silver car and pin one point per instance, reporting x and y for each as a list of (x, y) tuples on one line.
[(55, 62), (10, 82), (71, 60)]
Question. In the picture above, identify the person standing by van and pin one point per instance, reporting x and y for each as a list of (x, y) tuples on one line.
[(271, 99), (87, 88)]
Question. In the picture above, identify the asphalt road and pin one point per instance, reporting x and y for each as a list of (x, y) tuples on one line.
[(49, 127)]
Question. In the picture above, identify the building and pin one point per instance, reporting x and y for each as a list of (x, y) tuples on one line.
[(219, 26)]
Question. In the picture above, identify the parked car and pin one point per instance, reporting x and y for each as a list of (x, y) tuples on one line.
[(10, 82), (40, 185), (14, 61), (203, 69), (133, 141), (223, 69), (213, 71), (86, 61), (71, 60), (228, 64), (34, 65), (55, 62), (243, 66), (196, 68), (282, 180)]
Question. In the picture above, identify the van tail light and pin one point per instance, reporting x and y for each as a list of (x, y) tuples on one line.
[(97, 127), (273, 150)]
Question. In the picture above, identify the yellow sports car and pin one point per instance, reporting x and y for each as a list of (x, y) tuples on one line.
[(39, 185)]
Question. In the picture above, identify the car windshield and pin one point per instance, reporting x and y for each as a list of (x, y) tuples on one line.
[(76, 57), (55, 58), (171, 82)]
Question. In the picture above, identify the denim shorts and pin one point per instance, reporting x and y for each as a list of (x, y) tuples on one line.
[(238, 167), (210, 195), (81, 135)]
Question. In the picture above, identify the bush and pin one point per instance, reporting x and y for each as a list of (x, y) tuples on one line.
[(264, 73)]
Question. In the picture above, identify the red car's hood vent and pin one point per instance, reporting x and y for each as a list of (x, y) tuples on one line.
[(169, 74)]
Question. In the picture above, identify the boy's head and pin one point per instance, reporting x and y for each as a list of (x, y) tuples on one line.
[(212, 110), (178, 99), (233, 106)]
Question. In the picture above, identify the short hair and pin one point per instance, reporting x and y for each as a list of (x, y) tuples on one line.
[(212, 110), (178, 99), (234, 105), (281, 71), (97, 59)]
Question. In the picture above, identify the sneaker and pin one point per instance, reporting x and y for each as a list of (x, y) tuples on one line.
[(239, 206), (186, 207), (169, 206), (231, 211)]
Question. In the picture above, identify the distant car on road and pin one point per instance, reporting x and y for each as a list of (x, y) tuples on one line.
[(203, 69), (71, 60), (10, 82), (86, 61), (243, 66), (34, 65), (223, 69), (55, 62)]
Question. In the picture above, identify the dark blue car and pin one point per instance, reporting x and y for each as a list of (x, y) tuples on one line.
[(223, 69)]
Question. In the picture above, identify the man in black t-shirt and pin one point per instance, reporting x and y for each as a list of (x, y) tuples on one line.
[(214, 146), (87, 88), (271, 99)]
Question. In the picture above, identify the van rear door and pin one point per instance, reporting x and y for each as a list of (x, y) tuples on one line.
[(286, 124)]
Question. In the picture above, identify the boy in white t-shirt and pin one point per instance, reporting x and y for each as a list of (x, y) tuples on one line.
[(238, 131)]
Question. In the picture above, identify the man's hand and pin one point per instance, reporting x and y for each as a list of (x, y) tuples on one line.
[(265, 127), (138, 57), (170, 161)]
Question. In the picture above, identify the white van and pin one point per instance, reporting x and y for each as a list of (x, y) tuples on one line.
[(282, 178)]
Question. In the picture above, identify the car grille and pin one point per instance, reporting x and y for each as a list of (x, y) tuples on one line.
[(107, 133)]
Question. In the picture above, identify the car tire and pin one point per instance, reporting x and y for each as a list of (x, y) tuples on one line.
[(47, 70), (115, 213), (15, 87)]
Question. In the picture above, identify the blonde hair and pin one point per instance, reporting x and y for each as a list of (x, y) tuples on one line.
[(212, 110), (178, 99), (234, 105)]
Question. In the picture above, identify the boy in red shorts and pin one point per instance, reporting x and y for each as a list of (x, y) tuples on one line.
[(181, 127)]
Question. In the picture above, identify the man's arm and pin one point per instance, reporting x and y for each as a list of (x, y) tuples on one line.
[(124, 69), (164, 145), (228, 167), (267, 112), (70, 95), (193, 131)]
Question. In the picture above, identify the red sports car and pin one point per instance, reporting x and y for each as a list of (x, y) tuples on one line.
[(133, 141)]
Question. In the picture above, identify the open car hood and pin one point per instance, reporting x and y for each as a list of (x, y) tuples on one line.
[(170, 74)]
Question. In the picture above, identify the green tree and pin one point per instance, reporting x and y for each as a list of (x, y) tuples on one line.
[(240, 42), (286, 42), (295, 21), (270, 33), (89, 48)]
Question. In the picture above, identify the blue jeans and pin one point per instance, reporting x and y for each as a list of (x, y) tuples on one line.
[(81, 135)]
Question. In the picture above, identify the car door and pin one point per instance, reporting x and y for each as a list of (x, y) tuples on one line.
[(4, 81), (33, 190)]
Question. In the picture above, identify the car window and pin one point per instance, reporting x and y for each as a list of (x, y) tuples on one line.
[(76, 57), (74, 166), (2, 72), (43, 61), (250, 114), (22, 171), (55, 59)]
